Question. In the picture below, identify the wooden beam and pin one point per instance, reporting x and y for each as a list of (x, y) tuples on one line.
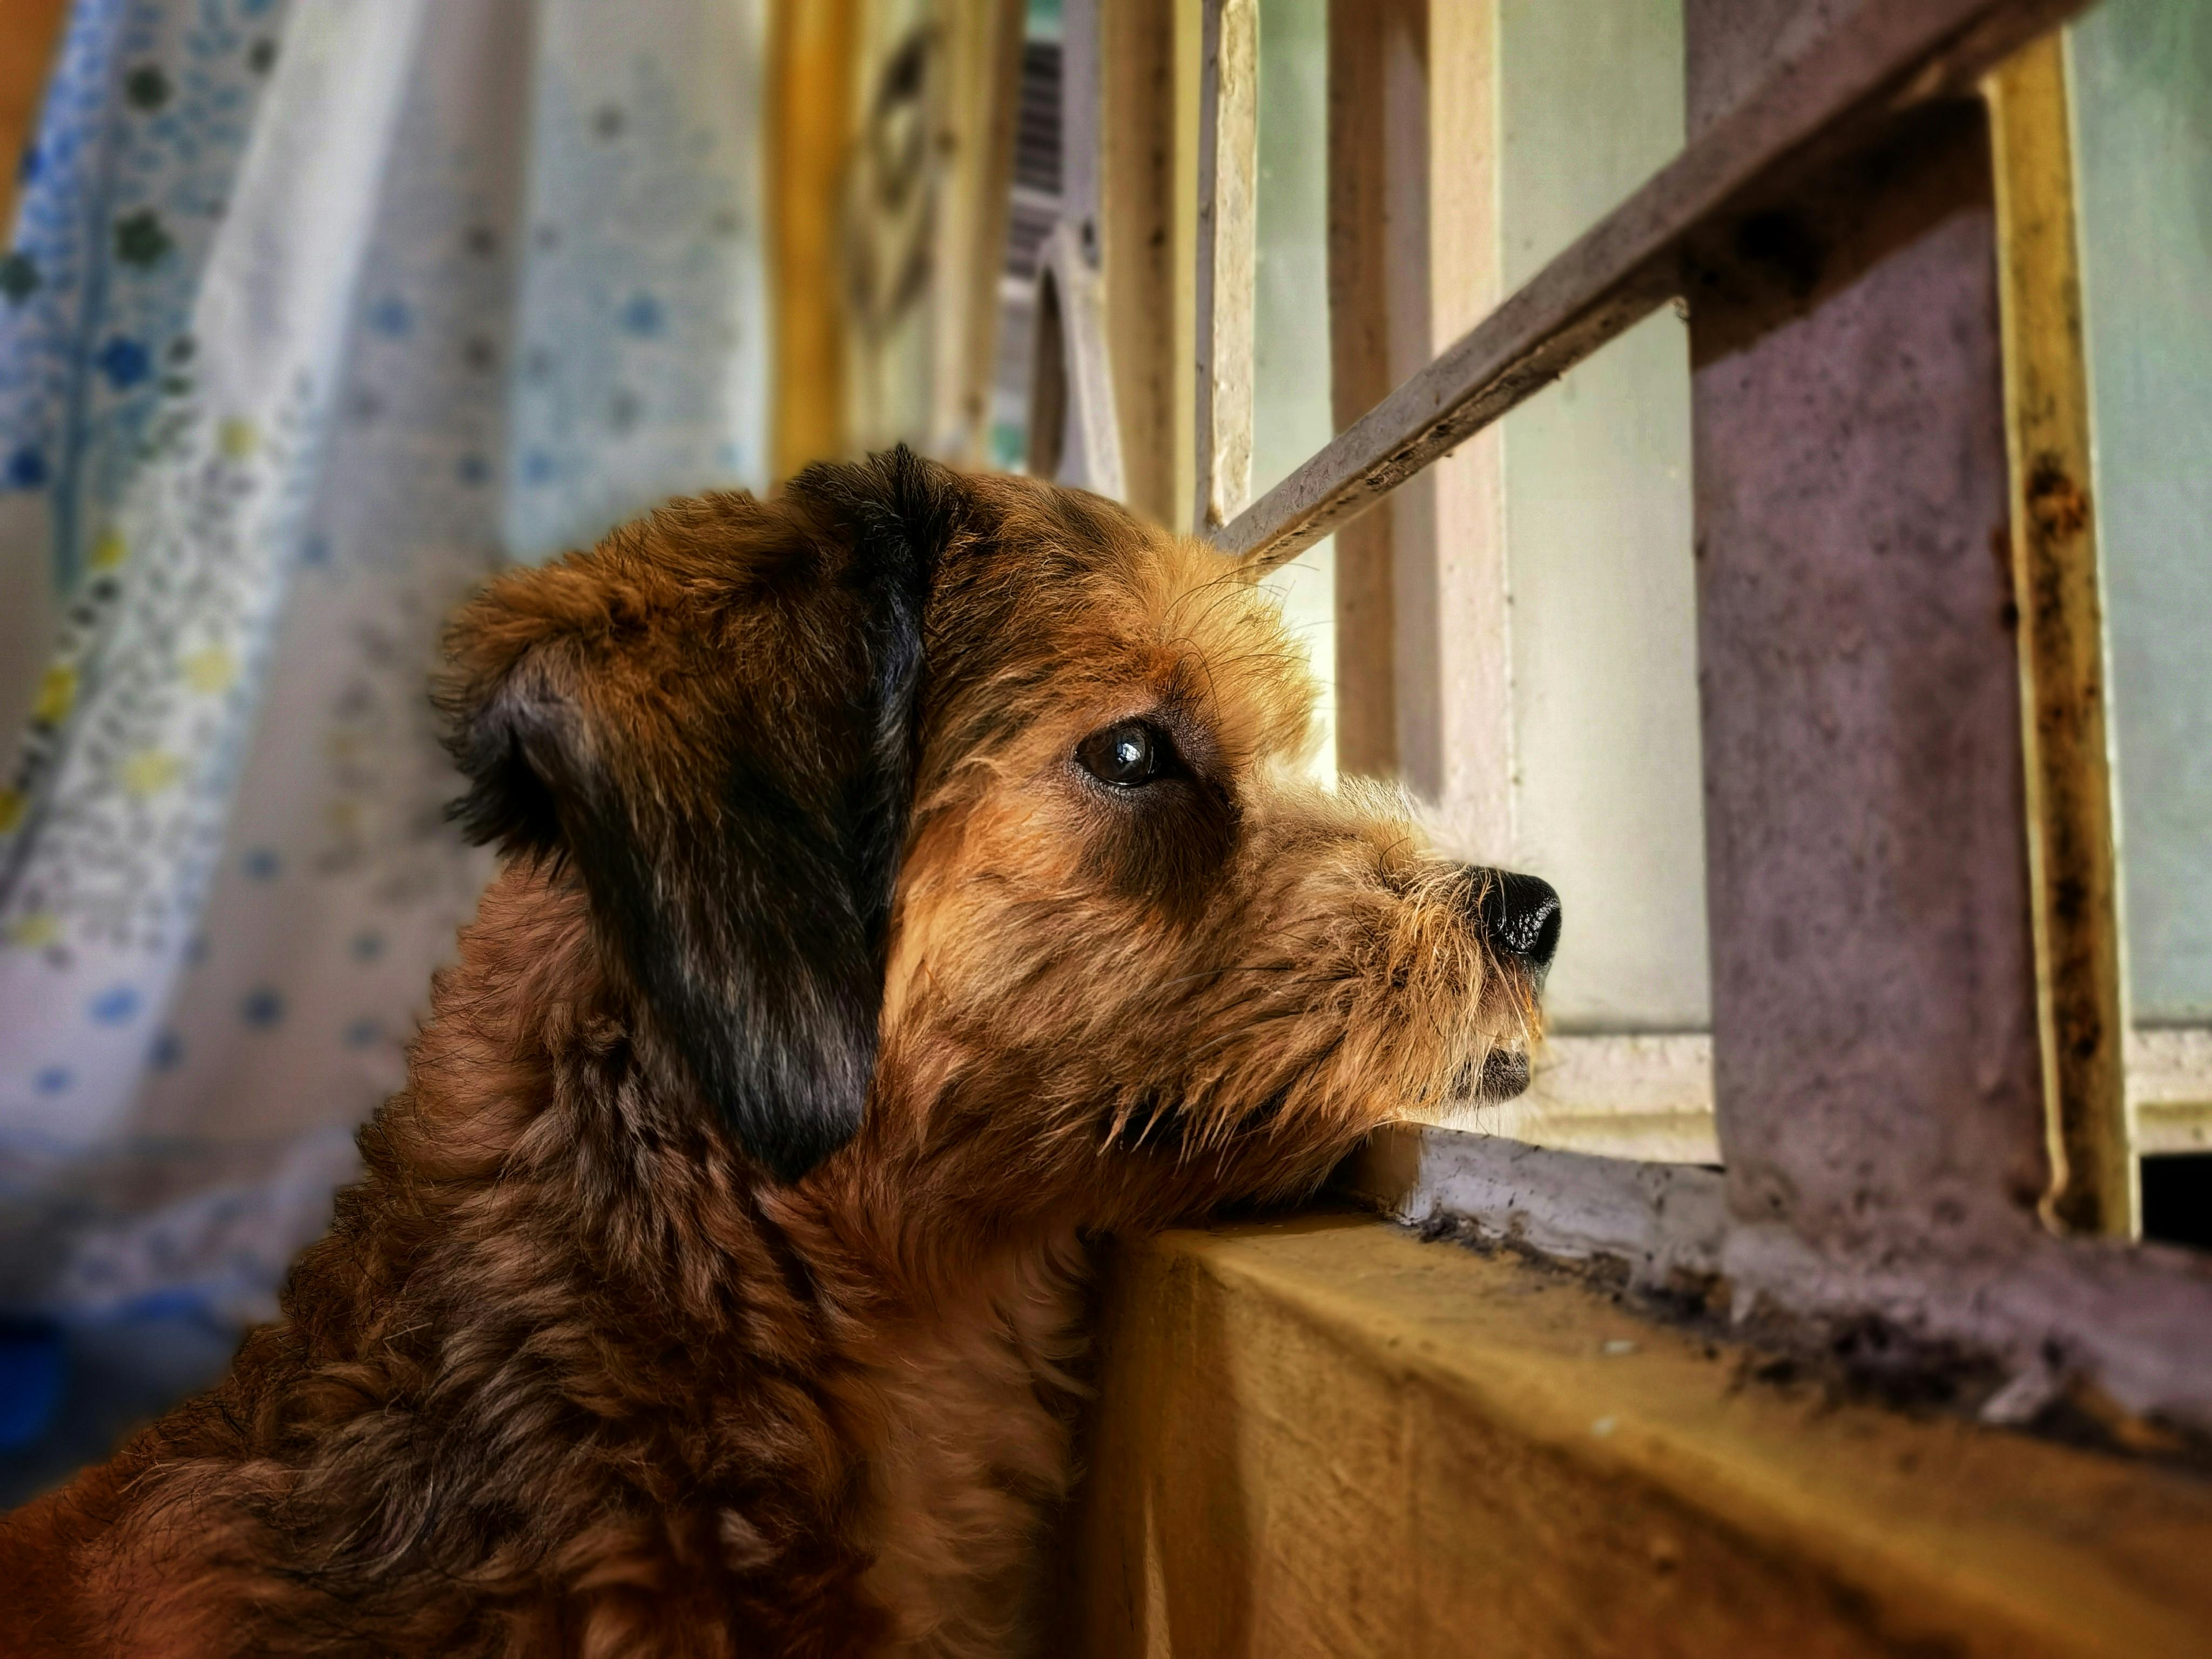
[(1424, 682), (1137, 196), (1322, 1437), (1075, 426), (28, 30), (1189, 52), (1814, 102), (1378, 306), (2072, 862), (979, 46), (809, 120), (1228, 213)]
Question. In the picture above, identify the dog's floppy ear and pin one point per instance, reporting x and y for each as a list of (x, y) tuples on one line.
[(712, 718)]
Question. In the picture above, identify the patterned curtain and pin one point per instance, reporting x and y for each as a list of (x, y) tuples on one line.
[(315, 312)]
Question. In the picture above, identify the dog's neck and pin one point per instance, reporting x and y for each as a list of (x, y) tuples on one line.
[(531, 1073)]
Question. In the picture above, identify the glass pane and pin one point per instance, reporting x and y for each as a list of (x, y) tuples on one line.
[(1607, 798), (2141, 76), (1290, 415), (2142, 79)]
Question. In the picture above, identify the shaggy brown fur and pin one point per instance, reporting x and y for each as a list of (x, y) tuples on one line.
[(911, 878)]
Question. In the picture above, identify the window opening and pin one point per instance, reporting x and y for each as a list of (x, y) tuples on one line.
[(2141, 95), (1290, 415)]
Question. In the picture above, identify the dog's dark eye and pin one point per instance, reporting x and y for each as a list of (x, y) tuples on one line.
[(1127, 754)]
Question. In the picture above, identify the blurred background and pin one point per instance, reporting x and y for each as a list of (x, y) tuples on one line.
[(315, 312)]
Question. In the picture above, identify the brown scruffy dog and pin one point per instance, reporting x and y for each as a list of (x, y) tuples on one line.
[(910, 878)]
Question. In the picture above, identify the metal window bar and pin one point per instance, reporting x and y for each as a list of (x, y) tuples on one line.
[(1885, 54)]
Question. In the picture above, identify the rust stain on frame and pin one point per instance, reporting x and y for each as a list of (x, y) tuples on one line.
[(2073, 866)]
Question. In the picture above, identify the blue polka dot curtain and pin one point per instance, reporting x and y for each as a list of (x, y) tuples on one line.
[(313, 314)]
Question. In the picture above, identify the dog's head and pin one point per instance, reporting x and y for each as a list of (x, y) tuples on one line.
[(989, 780)]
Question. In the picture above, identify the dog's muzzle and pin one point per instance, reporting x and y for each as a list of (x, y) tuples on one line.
[(1504, 1075), (1519, 916)]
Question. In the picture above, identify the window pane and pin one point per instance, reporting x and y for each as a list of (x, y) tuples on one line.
[(1291, 417), (2142, 78), (1607, 793)]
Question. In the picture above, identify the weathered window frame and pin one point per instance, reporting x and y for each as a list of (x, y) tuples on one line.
[(2057, 1306)]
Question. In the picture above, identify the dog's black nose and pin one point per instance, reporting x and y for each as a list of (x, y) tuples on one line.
[(1521, 914)]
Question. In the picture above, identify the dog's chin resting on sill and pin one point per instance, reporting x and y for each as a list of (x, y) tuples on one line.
[(908, 878)]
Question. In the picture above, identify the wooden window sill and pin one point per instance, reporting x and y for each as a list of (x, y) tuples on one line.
[(1323, 1436)]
